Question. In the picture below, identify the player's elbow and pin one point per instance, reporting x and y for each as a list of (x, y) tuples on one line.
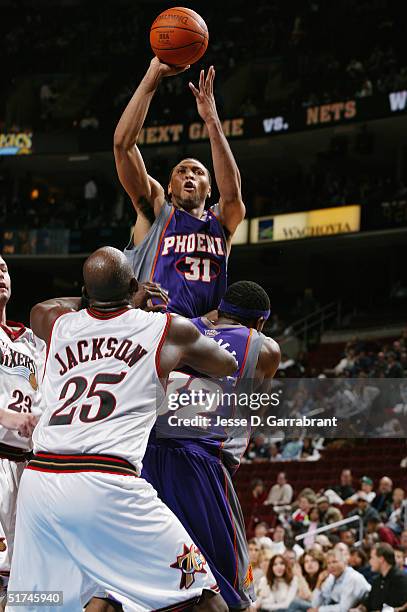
[(121, 142), (228, 364)]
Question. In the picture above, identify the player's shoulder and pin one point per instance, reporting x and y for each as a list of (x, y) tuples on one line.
[(270, 354)]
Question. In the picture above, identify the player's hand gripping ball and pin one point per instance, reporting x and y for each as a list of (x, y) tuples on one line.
[(179, 36)]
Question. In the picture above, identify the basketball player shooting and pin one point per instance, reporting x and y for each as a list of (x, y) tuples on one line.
[(177, 242)]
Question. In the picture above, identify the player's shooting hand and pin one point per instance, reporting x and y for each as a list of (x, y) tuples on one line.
[(165, 70), (23, 423), (204, 97), (146, 291)]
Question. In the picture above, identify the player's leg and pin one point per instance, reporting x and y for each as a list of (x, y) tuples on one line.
[(152, 561), (10, 475), (41, 562), (101, 604), (198, 489)]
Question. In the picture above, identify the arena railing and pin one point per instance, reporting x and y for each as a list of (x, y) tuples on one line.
[(346, 521)]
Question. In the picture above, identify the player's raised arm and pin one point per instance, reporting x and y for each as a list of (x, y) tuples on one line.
[(227, 174), (44, 315), (186, 346), (145, 192)]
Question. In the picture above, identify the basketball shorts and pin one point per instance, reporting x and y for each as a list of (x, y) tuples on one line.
[(86, 533), (10, 475), (198, 489)]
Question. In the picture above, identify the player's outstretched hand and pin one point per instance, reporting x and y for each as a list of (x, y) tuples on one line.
[(23, 423), (146, 291), (165, 70), (205, 100)]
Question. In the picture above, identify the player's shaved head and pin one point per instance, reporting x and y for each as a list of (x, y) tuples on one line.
[(108, 276)]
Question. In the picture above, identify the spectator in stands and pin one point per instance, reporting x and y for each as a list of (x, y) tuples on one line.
[(278, 588), (314, 523), (278, 545), (312, 565), (308, 452), (394, 367), (347, 536), (300, 517), (261, 532), (384, 496), (274, 453), (329, 514), (403, 540), (258, 450), (89, 121), (346, 363), (400, 557), (258, 492), (390, 587), (292, 450), (366, 486), (359, 561), (280, 495), (345, 488), (342, 589), (364, 509), (344, 549), (254, 557)]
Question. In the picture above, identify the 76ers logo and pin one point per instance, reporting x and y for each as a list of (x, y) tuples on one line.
[(190, 562)]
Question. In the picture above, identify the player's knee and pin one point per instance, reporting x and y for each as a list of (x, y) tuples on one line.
[(211, 602)]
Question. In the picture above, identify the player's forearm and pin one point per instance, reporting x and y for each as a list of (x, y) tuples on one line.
[(134, 115), (227, 174)]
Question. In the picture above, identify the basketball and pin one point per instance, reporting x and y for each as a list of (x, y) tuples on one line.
[(179, 36)]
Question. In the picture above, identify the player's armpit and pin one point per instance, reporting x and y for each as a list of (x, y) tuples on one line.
[(232, 213), (186, 346)]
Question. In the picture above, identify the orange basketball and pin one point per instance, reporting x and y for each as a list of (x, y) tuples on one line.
[(179, 36)]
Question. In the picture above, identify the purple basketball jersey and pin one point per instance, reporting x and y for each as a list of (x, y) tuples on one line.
[(228, 441), (187, 256)]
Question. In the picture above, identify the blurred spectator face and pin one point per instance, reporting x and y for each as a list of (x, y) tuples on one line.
[(279, 567), (385, 485), (257, 487), (355, 560), (259, 440), (342, 551), (374, 561), (372, 526), (311, 565), (366, 484), (278, 535), (290, 558), (399, 555), (254, 551), (273, 452), (336, 563), (323, 541), (346, 478), (261, 530), (403, 539), (323, 505), (304, 504), (347, 537), (314, 515), (398, 496), (281, 479)]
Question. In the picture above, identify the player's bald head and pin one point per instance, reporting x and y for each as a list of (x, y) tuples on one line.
[(5, 282), (108, 276)]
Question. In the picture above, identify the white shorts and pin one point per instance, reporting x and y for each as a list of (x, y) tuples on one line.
[(88, 532), (10, 474)]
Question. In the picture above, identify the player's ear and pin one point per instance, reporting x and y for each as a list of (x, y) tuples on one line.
[(260, 324), (133, 287)]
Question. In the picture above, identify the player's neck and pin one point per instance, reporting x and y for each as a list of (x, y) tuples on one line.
[(2, 314), (227, 321), (197, 212), (109, 306)]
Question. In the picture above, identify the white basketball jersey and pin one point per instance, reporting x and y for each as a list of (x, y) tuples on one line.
[(101, 386), (21, 361)]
